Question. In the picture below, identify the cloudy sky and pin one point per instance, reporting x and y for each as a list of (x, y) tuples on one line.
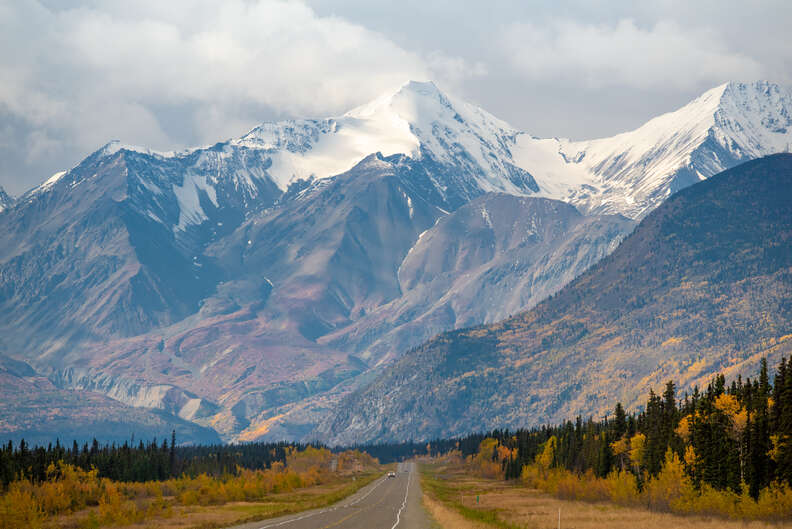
[(168, 75)]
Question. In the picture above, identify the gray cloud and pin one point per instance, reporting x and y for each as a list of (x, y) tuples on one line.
[(173, 74), (176, 75), (622, 54)]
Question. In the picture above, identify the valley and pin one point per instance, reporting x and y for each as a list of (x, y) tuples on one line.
[(311, 264)]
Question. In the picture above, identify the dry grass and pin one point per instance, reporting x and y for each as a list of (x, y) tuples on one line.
[(451, 499), (447, 518), (534, 509), (232, 513)]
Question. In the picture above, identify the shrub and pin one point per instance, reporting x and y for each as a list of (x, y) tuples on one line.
[(671, 488)]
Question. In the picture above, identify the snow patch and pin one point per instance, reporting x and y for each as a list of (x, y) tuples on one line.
[(51, 181), (114, 146), (187, 196), (485, 216), (414, 119)]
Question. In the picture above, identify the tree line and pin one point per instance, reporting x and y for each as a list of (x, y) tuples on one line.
[(144, 461), (734, 437), (728, 436)]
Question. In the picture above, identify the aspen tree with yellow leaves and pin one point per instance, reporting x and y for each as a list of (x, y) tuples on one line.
[(725, 449)]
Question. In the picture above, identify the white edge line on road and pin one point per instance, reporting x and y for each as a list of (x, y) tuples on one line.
[(381, 481), (404, 503), (291, 520)]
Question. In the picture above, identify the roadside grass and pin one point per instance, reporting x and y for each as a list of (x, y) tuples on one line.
[(443, 516), (455, 490), (232, 513), (450, 497)]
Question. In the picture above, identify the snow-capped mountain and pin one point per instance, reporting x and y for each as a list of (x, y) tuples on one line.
[(467, 152), (235, 283), (179, 190), (632, 173), (629, 174), (467, 147)]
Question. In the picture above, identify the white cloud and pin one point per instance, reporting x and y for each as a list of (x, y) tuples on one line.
[(454, 70), (170, 74), (623, 54)]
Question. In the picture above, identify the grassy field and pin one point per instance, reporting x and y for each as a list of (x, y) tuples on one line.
[(74, 498), (457, 500), (213, 516)]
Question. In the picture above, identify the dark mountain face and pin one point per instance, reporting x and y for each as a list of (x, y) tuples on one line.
[(702, 285), (105, 251)]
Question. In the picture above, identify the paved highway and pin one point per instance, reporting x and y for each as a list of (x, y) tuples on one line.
[(387, 503)]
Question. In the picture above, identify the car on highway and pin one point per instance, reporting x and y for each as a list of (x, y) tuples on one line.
[(391, 474)]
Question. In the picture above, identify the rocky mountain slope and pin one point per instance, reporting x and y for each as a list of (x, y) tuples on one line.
[(112, 248), (5, 200), (35, 410), (257, 345), (702, 285), (233, 284), (491, 258)]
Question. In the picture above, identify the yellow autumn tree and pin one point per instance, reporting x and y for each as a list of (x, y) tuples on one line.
[(738, 419), (670, 487), (690, 458), (737, 415), (621, 450), (18, 508), (684, 428), (485, 462), (637, 448), (546, 458)]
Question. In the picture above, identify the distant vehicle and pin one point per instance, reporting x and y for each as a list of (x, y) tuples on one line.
[(391, 474)]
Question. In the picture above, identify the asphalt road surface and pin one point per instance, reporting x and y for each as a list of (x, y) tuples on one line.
[(387, 503)]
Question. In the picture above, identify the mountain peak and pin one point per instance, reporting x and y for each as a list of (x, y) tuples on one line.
[(407, 99), (417, 89), (5, 200), (755, 118), (757, 97), (726, 125), (417, 120), (114, 146), (422, 89), (762, 86)]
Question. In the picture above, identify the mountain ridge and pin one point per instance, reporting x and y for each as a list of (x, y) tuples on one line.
[(728, 124), (5, 200), (232, 283), (700, 286)]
